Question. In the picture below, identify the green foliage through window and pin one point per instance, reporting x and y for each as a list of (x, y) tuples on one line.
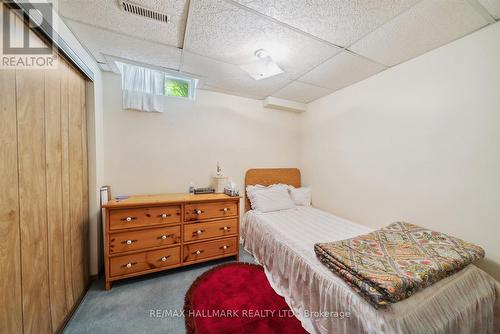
[(178, 88)]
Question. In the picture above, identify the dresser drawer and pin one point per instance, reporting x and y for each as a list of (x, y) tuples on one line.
[(129, 264), (129, 218), (208, 249), (218, 228), (128, 241), (210, 210)]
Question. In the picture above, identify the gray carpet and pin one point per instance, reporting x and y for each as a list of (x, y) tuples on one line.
[(127, 306)]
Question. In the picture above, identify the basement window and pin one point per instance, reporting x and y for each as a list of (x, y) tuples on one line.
[(148, 89), (176, 87)]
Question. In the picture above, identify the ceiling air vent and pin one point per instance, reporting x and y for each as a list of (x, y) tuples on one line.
[(142, 11)]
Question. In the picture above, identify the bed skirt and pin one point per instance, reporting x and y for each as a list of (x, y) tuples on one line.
[(321, 303)]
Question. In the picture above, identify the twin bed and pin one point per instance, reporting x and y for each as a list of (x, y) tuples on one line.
[(283, 242)]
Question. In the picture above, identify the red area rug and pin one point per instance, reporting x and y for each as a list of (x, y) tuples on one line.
[(237, 298)]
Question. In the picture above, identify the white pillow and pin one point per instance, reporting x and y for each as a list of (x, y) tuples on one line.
[(301, 196), (272, 198)]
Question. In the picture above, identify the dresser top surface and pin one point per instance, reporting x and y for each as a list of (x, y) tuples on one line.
[(146, 200)]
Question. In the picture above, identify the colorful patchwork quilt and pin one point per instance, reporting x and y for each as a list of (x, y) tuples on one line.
[(390, 264)]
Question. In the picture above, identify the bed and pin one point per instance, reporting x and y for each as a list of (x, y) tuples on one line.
[(282, 241)]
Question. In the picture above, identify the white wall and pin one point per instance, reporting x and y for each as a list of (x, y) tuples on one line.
[(163, 152), (419, 143)]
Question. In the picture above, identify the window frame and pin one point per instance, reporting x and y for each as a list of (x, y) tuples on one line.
[(167, 73), (190, 81)]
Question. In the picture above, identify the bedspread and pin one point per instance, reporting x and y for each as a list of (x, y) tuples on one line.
[(392, 263)]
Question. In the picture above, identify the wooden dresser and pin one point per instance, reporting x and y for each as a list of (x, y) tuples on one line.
[(145, 234)]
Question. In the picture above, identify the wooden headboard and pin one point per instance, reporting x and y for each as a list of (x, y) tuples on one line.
[(268, 176)]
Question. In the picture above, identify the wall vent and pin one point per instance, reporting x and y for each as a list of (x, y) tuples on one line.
[(132, 8)]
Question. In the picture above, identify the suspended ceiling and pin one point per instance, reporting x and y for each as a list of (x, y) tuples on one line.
[(322, 45)]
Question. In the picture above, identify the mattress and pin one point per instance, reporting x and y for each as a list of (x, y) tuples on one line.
[(283, 243)]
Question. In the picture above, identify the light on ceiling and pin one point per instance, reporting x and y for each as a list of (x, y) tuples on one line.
[(263, 68)]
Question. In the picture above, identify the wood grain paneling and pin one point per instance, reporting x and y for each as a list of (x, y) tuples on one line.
[(33, 204), (44, 248), (75, 182), (53, 149), (68, 280), (10, 277), (85, 183)]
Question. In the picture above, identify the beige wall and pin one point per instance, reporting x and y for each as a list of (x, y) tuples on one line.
[(164, 152), (419, 142)]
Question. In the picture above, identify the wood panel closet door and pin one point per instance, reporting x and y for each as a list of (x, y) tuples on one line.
[(32, 200), (76, 160), (10, 247), (44, 251), (53, 149)]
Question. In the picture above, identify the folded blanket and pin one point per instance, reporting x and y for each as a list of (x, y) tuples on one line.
[(390, 264)]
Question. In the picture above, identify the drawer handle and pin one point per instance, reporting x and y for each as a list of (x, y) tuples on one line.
[(165, 215), (199, 212), (224, 247), (226, 228), (163, 259), (198, 252), (198, 232), (225, 209), (129, 242), (129, 265), (129, 219), (165, 236)]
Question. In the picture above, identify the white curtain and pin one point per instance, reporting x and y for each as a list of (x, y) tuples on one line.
[(143, 88)]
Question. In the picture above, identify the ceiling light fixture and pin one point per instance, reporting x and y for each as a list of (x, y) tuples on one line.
[(261, 54), (264, 68)]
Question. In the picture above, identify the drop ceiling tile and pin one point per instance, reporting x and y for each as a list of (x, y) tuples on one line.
[(492, 6), (426, 26), (226, 32), (107, 14), (228, 92), (301, 92), (338, 21), (341, 71), (101, 42), (229, 78)]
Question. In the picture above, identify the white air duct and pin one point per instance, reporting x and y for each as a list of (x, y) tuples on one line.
[(282, 104)]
